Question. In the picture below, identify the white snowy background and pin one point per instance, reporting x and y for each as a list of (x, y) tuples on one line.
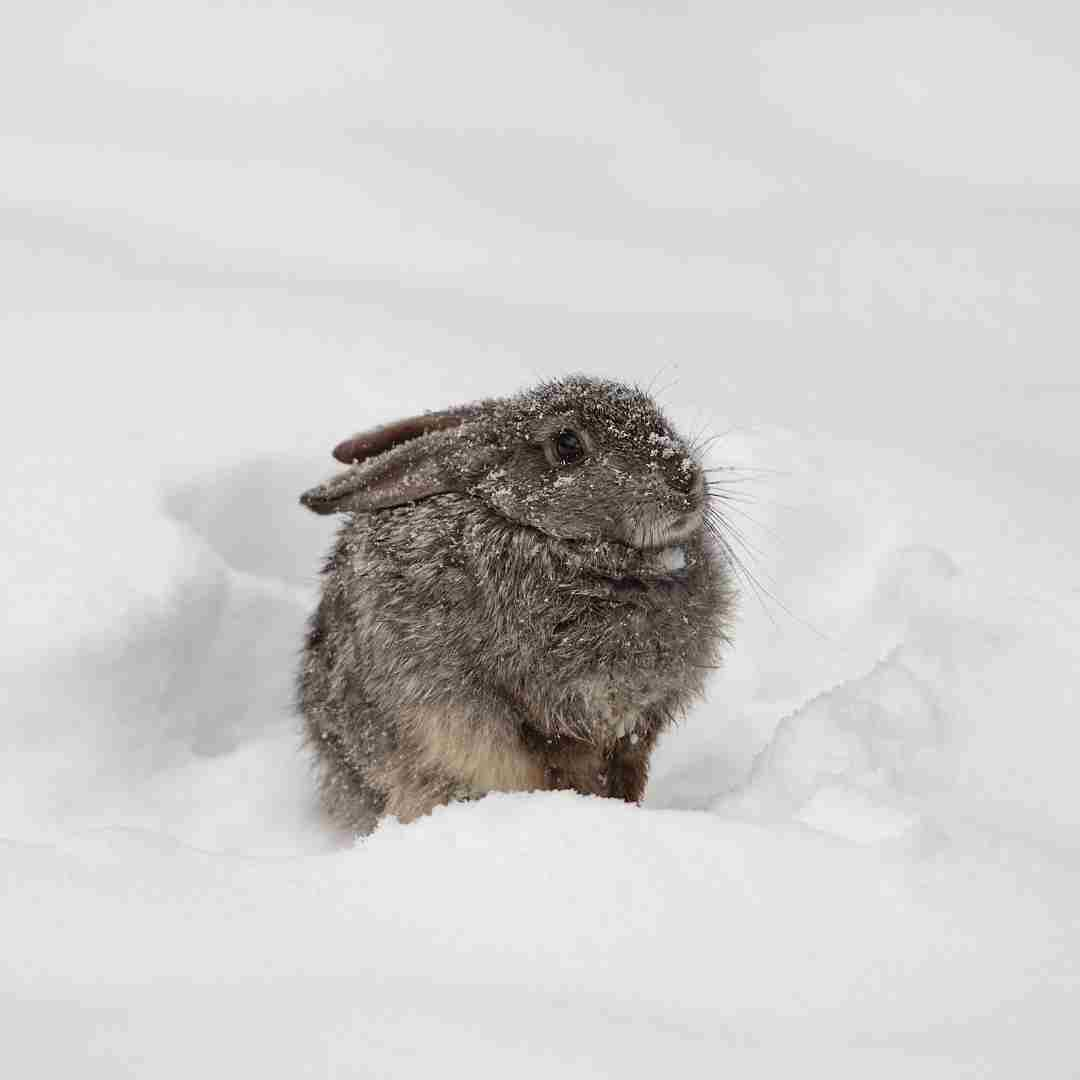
[(846, 238)]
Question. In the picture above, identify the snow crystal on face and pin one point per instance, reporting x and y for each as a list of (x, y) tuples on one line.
[(671, 558), (664, 445)]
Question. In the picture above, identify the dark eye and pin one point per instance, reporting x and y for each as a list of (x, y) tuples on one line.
[(569, 447)]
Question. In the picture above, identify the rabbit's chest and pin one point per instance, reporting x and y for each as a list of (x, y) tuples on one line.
[(613, 710)]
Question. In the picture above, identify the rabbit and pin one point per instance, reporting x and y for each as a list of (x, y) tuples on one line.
[(523, 596)]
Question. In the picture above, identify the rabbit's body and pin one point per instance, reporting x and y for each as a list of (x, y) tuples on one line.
[(459, 650)]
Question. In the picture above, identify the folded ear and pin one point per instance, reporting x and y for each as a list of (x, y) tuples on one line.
[(366, 444), (396, 464)]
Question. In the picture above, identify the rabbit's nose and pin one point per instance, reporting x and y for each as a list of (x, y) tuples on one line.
[(684, 476)]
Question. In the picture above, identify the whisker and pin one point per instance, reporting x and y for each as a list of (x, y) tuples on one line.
[(660, 371), (742, 513), (746, 574), (719, 528), (701, 446), (742, 472), (721, 494), (718, 491), (738, 534)]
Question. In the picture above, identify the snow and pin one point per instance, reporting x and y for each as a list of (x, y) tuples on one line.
[(234, 234)]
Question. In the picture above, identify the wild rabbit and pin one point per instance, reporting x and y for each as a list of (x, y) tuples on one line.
[(523, 596)]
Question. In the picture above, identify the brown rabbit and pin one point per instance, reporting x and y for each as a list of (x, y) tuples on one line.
[(523, 596)]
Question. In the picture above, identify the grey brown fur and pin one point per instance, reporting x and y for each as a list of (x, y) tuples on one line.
[(494, 618)]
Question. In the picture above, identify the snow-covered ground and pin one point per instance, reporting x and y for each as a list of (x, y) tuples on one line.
[(846, 242)]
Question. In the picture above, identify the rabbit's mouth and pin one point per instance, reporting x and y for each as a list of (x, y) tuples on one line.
[(664, 567), (659, 543)]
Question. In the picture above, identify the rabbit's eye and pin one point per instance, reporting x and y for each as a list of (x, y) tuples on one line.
[(569, 447)]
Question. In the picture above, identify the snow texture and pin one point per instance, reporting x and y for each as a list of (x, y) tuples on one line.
[(846, 246)]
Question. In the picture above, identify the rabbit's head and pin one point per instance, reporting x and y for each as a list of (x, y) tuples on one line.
[(580, 459)]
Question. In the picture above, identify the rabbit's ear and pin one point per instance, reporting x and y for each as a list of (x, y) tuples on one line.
[(399, 463), (366, 444)]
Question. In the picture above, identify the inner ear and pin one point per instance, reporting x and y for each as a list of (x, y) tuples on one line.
[(367, 444)]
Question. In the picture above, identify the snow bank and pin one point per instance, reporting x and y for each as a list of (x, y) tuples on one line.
[(551, 927)]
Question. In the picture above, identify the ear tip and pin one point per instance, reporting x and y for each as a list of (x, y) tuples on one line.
[(368, 444), (345, 452), (316, 501)]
